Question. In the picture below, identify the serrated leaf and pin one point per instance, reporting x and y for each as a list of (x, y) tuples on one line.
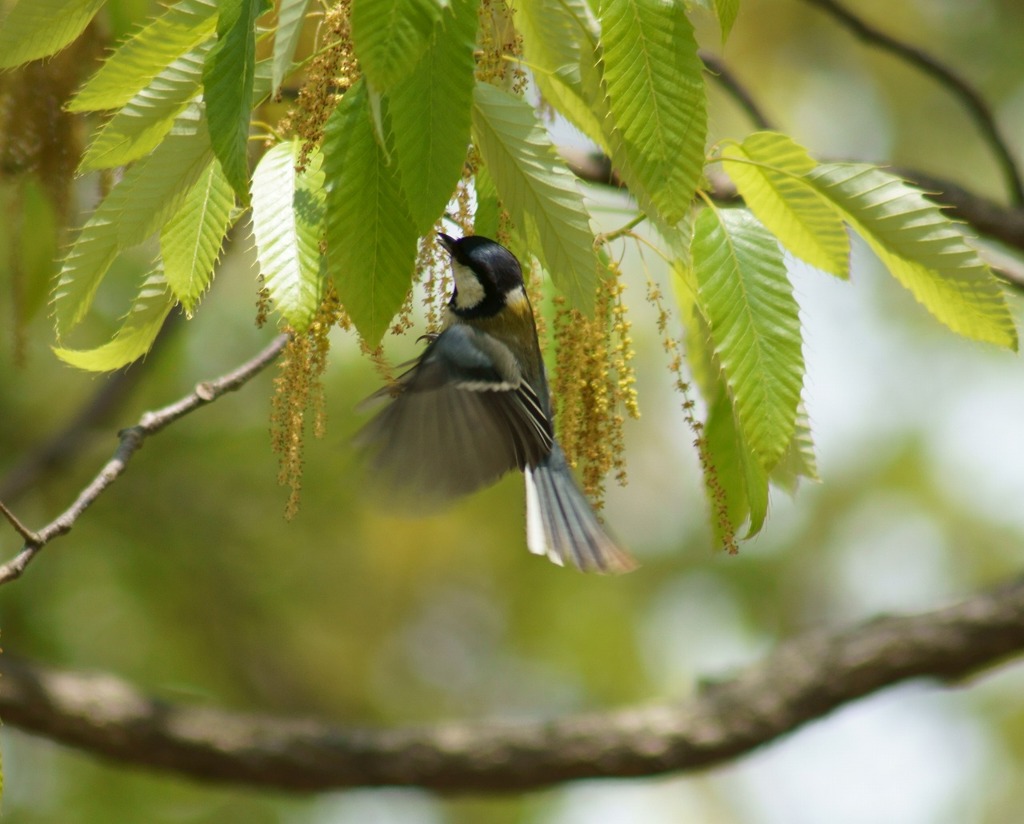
[(228, 80), (390, 36), (145, 54), (144, 120), (190, 242), (747, 300), (735, 481), (371, 239), (737, 471), (291, 15), (726, 11), (798, 461), (288, 225), (149, 193), (537, 189), (768, 170), (430, 114), (39, 28), (656, 96), (135, 337), (922, 248), (559, 40)]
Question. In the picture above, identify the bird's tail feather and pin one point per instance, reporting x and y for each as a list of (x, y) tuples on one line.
[(561, 524)]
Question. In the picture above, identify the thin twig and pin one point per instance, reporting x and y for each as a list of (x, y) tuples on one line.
[(130, 440), (960, 88), (728, 81), (801, 680)]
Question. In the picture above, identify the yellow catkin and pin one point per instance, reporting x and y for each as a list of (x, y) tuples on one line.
[(594, 384), (331, 72), (674, 349), (299, 395), (500, 48)]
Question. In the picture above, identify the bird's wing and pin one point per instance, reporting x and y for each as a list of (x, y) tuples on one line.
[(458, 420)]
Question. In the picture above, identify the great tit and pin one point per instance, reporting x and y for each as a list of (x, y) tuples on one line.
[(475, 405)]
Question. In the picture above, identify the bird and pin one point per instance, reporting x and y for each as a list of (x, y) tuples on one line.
[(476, 405)]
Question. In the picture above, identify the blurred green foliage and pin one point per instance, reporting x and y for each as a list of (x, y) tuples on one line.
[(186, 579)]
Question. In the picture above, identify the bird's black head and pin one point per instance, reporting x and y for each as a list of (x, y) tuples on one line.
[(487, 276)]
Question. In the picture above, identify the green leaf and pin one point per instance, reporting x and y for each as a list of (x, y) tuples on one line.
[(288, 225), (430, 114), (557, 39), (922, 248), (747, 300), (150, 192), (147, 53), (136, 335), (291, 15), (487, 218), (371, 239), (736, 470), (656, 95), (145, 119), (538, 191), (228, 79), (726, 11), (768, 170), (190, 242), (798, 461), (39, 28), (390, 36)]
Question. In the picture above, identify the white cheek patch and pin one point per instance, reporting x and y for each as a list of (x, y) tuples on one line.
[(468, 290), (516, 299)]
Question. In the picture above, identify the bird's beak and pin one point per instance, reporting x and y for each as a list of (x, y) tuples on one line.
[(448, 242)]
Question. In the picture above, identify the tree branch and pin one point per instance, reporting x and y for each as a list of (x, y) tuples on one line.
[(803, 679), (731, 84), (130, 440), (969, 97)]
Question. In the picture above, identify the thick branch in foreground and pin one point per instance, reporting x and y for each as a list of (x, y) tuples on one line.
[(129, 442), (803, 679)]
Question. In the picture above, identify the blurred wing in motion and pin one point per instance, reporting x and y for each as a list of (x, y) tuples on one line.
[(457, 421)]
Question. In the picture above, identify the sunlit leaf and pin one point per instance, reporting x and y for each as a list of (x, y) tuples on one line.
[(228, 79), (288, 225), (536, 188), (136, 335), (735, 481), (39, 28), (557, 39), (798, 461), (656, 96), (291, 15), (371, 239), (191, 240), (390, 36), (430, 115), (923, 249), (768, 170), (145, 54), (735, 470), (150, 192), (747, 300), (142, 123)]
